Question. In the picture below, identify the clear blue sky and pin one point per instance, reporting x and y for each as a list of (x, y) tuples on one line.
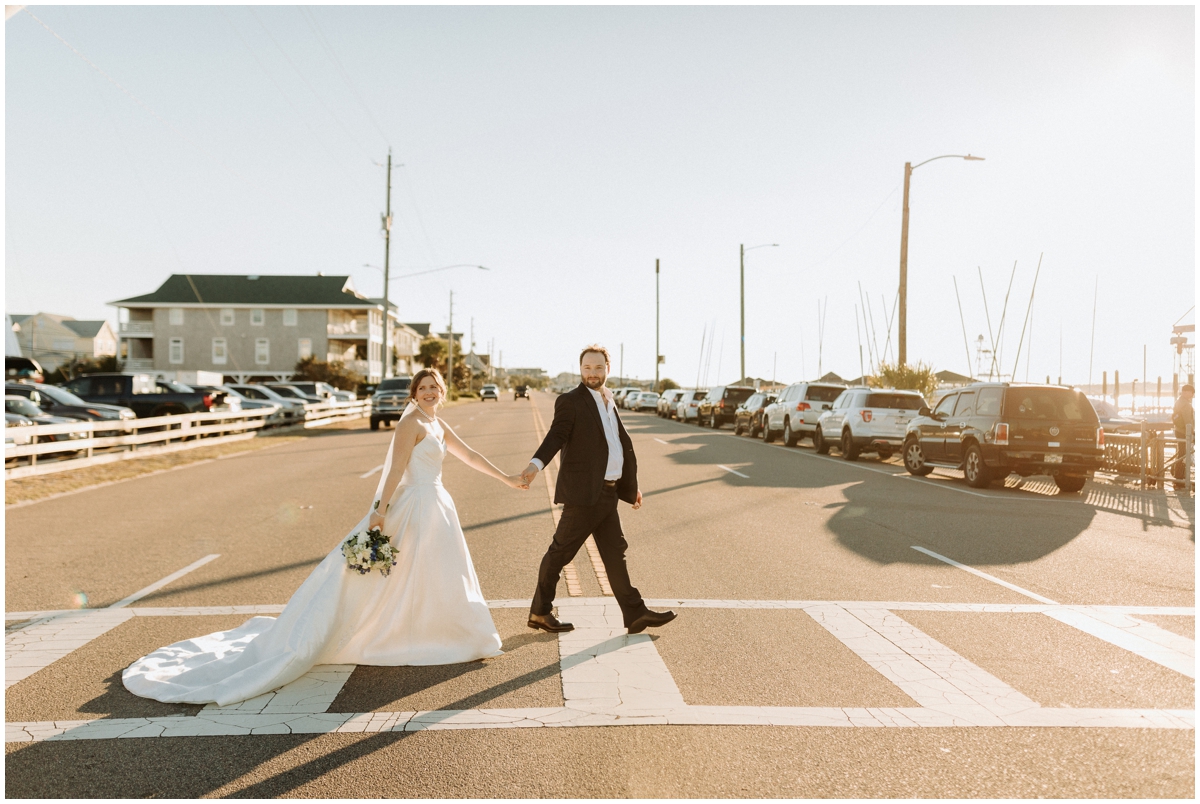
[(567, 148)]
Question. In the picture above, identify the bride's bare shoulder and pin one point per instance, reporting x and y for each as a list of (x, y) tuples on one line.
[(409, 427)]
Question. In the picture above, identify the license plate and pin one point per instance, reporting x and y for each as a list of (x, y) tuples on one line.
[(1053, 458)]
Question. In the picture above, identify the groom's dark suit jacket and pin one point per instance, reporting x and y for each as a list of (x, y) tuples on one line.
[(578, 431)]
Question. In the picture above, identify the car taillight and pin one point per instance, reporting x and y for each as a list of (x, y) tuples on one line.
[(866, 415), (1001, 434), (722, 404), (208, 400), (691, 404), (803, 406), (1099, 438)]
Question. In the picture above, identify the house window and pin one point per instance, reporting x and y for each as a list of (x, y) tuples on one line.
[(289, 317), (219, 352), (305, 348), (175, 353), (227, 316), (176, 316), (262, 351), (257, 317)]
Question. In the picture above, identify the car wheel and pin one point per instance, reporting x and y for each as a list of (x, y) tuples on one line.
[(789, 437), (819, 441), (737, 429), (1070, 484), (374, 424), (767, 434), (914, 458), (975, 470), (713, 421), (849, 451), (884, 454)]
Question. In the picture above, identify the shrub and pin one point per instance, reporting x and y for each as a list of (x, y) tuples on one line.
[(665, 384), (919, 377), (336, 374)]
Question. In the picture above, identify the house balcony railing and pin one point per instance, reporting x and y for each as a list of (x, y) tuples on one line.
[(139, 364), (137, 328)]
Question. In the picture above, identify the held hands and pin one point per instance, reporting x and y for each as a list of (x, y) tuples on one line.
[(529, 474), (517, 482)]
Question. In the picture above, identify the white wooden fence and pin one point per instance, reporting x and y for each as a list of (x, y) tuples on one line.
[(108, 440)]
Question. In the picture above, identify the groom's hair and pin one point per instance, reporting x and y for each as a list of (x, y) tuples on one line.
[(595, 347)]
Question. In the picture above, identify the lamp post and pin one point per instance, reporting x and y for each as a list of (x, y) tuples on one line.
[(909, 167), (387, 302), (742, 274)]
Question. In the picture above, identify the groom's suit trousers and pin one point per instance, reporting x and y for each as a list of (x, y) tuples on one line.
[(601, 521)]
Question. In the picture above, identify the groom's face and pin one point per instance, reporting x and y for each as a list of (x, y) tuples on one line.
[(594, 370)]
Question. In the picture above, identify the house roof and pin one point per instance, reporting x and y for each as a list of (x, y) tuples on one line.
[(950, 376), (831, 377), (421, 329), (85, 329), (316, 291)]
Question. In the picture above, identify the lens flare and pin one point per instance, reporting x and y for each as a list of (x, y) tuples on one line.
[(79, 600)]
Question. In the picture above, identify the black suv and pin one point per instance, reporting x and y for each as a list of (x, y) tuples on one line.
[(720, 405), (989, 430), (520, 392), (748, 418)]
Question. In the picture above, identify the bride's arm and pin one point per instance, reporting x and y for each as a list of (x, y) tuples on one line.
[(459, 449), (405, 437)]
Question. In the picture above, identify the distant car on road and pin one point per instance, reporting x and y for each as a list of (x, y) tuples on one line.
[(521, 392), (667, 402), (389, 400), (60, 402), (748, 417), (688, 407), (989, 430), (489, 391), (794, 414), (867, 420), (721, 403), (642, 400)]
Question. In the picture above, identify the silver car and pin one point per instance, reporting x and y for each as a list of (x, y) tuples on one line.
[(687, 409), (667, 402), (794, 414)]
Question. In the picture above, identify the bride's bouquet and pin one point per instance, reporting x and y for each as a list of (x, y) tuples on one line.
[(369, 550)]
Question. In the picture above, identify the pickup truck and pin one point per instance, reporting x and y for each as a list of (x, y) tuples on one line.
[(142, 394)]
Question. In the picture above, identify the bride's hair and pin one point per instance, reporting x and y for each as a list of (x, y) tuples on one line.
[(416, 382)]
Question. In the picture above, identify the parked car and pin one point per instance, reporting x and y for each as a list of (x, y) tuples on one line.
[(389, 400), (489, 391), (620, 394), (720, 404), (228, 402), (667, 402), (1111, 420), (22, 406), (867, 420), (279, 415), (748, 417), (989, 430), (521, 392), (688, 407), (794, 414), (22, 368), (142, 394), (14, 432), (292, 408), (60, 402), (287, 389), (642, 400), (323, 391)]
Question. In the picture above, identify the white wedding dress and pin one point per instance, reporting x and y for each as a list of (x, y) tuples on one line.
[(429, 610)]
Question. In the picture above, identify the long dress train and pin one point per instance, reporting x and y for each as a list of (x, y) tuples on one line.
[(429, 610)]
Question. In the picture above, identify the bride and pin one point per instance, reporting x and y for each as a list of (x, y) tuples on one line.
[(429, 610)]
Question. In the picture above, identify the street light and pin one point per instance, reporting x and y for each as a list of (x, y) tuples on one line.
[(909, 167), (742, 272), (387, 306)]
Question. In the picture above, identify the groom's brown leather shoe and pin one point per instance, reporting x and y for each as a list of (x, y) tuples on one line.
[(547, 622), (650, 619)]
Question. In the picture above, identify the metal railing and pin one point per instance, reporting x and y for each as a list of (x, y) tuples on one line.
[(1152, 457), (136, 327), (108, 440)]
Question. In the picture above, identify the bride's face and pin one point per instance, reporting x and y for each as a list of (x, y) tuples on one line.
[(428, 393)]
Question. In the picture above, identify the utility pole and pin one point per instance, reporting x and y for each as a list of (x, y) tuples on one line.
[(387, 253), (742, 281), (657, 347), (450, 358), (902, 344)]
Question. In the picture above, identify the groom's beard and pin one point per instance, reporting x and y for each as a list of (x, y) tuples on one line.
[(595, 383)]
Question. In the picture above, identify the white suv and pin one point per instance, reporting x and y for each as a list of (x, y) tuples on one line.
[(489, 392), (688, 407), (867, 420), (794, 414), (668, 401)]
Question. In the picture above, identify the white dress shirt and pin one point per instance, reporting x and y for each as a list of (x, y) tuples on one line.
[(616, 454)]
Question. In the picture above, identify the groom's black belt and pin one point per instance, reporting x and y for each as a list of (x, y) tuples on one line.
[(610, 484)]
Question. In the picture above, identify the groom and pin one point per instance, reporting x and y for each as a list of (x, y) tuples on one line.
[(598, 468)]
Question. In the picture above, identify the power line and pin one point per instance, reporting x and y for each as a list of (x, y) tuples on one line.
[(312, 22)]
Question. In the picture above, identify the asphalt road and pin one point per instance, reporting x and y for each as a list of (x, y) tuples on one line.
[(725, 519)]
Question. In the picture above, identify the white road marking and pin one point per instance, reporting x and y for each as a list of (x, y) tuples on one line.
[(611, 678), (732, 471), (154, 587), (659, 440), (378, 468), (985, 576), (1145, 639)]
